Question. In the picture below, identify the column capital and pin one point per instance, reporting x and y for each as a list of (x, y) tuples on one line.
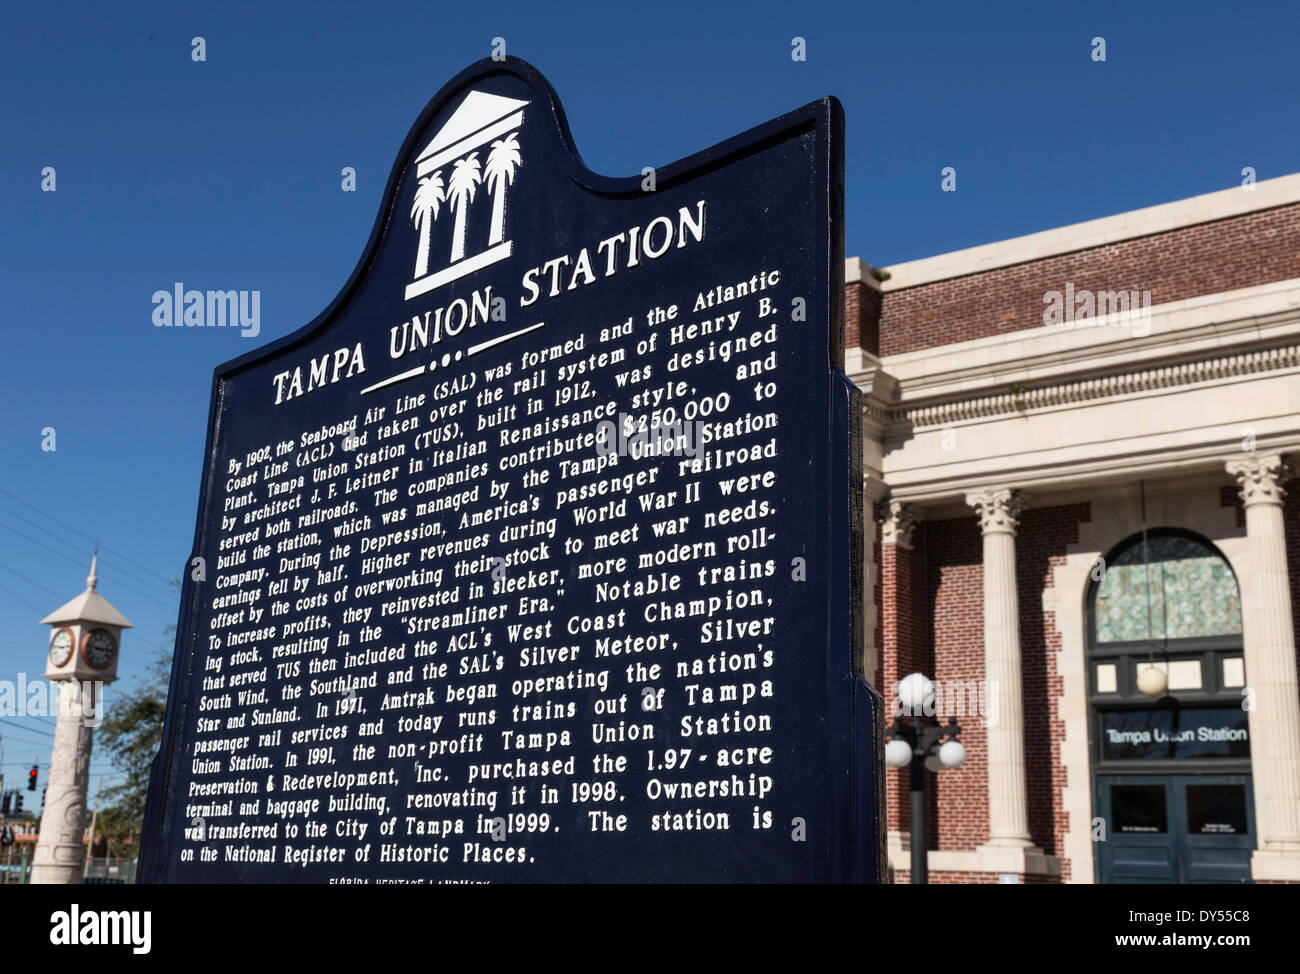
[(873, 488), (998, 509), (899, 524), (1260, 478)]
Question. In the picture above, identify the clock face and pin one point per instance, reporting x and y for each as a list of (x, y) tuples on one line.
[(99, 648), (61, 647)]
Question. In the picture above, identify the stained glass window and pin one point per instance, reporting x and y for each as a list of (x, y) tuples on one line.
[(1192, 593)]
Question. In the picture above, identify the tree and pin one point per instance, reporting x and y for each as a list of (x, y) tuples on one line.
[(500, 172), (460, 189), (117, 834), (428, 198), (132, 734)]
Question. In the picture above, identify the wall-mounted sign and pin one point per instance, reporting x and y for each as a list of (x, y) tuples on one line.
[(1175, 733)]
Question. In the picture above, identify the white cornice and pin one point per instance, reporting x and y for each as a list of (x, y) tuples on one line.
[(1053, 409), (983, 376), (1048, 482), (1103, 387), (858, 271)]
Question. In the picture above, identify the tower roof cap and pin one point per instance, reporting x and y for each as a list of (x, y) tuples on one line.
[(89, 606)]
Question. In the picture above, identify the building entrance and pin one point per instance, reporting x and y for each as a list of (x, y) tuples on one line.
[(1175, 828), (1170, 757)]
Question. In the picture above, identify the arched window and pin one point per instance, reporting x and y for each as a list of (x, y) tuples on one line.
[(1176, 606), (1169, 770), (1182, 589)]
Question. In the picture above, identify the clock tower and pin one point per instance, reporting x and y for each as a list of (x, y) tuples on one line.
[(84, 640)]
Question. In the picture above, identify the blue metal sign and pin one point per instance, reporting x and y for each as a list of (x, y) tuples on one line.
[(536, 556)]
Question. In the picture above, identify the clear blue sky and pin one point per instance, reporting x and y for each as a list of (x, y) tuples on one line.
[(225, 174)]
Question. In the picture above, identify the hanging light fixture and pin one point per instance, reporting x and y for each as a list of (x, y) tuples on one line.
[(1151, 680)]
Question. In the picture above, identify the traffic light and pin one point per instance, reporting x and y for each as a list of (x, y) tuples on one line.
[(5, 802), (18, 802), (31, 778)]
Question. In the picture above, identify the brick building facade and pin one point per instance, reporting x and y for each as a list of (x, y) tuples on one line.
[(1076, 449)]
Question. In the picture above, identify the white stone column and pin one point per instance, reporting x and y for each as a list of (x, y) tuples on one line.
[(1269, 641), (1008, 809), (872, 491), (60, 854)]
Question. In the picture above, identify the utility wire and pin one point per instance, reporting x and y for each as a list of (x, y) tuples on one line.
[(55, 551), (8, 736), (165, 649), (74, 561), (24, 727), (113, 568), (28, 579), (30, 605), (84, 535)]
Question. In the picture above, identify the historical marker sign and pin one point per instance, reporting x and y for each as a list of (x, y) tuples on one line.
[(533, 557)]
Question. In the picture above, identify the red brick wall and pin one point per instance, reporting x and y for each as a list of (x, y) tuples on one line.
[(947, 878), (948, 557), (954, 553), (904, 650), (1041, 544), (896, 813), (862, 317), (1241, 251)]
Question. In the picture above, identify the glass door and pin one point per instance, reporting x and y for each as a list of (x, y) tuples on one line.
[(1166, 828), (1218, 827), (1140, 842)]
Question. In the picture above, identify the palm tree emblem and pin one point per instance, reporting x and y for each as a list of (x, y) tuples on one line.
[(428, 198), (500, 173), (466, 175)]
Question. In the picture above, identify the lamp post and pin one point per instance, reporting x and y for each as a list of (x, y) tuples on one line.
[(921, 743)]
